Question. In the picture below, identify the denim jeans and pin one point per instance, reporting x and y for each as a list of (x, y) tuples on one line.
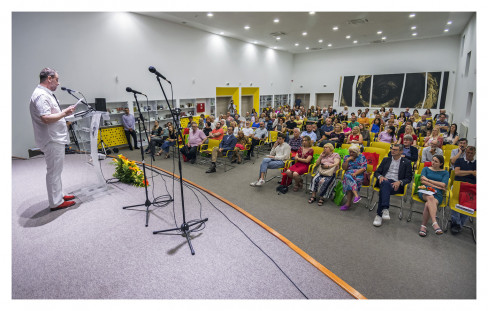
[(270, 163), (458, 218), (386, 189)]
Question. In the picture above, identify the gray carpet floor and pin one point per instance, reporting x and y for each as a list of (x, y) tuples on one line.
[(389, 262), (97, 250)]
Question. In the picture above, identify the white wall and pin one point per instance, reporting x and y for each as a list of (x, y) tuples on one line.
[(466, 84), (89, 50), (313, 70)]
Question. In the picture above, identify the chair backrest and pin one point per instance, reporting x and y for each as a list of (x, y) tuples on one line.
[(371, 137), (213, 143), (345, 146), (451, 179), (420, 167), (317, 150), (449, 147), (380, 144), (454, 199), (380, 151)]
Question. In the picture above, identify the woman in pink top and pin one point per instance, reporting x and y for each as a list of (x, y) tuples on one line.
[(388, 135)]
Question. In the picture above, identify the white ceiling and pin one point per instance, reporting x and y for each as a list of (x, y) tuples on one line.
[(396, 26)]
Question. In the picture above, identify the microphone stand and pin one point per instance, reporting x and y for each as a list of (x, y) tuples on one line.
[(185, 228), (148, 202)]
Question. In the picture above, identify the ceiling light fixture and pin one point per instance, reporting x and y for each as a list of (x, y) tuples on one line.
[(209, 14), (311, 13), (355, 41), (449, 22), (329, 45), (413, 27), (296, 44), (414, 34), (304, 33), (307, 48), (335, 28), (379, 32), (412, 15), (348, 37), (247, 27), (276, 20), (383, 38), (320, 40), (446, 30), (221, 33), (278, 38)]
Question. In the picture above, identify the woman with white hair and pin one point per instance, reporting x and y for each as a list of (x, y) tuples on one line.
[(328, 163), (354, 165)]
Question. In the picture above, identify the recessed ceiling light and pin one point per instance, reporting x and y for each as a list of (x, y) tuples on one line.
[(311, 13), (414, 34), (348, 37), (221, 33), (412, 15), (329, 45), (383, 38), (449, 22), (335, 28), (320, 40), (209, 14), (413, 27), (247, 27), (446, 30), (276, 20), (278, 38), (304, 33), (355, 41), (379, 32), (296, 44), (307, 48), (255, 42)]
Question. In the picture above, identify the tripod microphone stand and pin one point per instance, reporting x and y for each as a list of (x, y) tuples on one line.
[(186, 227), (147, 203)]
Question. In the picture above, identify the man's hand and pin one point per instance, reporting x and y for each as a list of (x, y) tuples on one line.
[(396, 185), (220, 149), (69, 111), (382, 179)]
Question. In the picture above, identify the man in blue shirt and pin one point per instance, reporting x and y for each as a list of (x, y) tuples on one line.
[(442, 123), (310, 133), (465, 171), (129, 123), (227, 143)]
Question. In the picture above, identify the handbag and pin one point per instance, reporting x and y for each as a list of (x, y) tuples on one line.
[(367, 179), (326, 171), (372, 158), (339, 194), (467, 195)]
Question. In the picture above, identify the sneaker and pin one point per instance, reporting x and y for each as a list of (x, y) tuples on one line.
[(68, 197), (253, 184), (260, 182), (356, 199), (344, 208), (386, 214), (378, 220)]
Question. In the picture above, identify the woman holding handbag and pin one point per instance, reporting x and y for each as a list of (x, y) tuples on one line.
[(354, 165), (328, 164)]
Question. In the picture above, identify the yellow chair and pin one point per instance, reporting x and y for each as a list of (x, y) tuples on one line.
[(313, 164), (372, 137), (379, 144), (454, 199), (377, 189), (449, 147), (271, 139), (369, 170), (345, 146)]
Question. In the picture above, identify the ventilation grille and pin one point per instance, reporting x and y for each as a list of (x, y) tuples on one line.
[(358, 21), (277, 34)]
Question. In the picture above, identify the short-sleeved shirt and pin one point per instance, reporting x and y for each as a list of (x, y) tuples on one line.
[(465, 165), (291, 125), (295, 143), (440, 123), (312, 135), (43, 103), (427, 156), (441, 176), (219, 137)]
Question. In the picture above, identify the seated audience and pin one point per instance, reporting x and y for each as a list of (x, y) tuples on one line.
[(303, 158), (376, 126), (408, 131), (427, 113), (241, 143), (347, 130), (428, 153), (328, 164), (434, 136), (459, 152), (465, 171), (354, 165), (364, 120), (355, 137), (295, 142), (217, 133), (260, 135), (154, 139), (228, 143), (291, 124), (280, 153), (442, 123), (438, 178), (388, 135), (336, 137), (308, 132), (207, 129), (196, 137), (327, 128), (410, 152), (392, 175), (365, 133), (170, 141), (402, 118), (353, 122), (452, 136)]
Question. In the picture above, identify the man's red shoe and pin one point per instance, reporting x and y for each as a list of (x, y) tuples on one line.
[(68, 197), (65, 204)]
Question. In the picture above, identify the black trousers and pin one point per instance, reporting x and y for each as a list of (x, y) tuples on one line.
[(191, 153), (155, 141), (128, 134)]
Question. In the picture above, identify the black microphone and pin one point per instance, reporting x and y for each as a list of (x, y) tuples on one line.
[(128, 89), (68, 90), (153, 70)]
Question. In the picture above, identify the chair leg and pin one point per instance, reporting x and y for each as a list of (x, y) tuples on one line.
[(410, 212), (400, 216), (371, 207)]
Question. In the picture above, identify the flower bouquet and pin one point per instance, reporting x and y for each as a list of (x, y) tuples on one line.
[(128, 172)]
